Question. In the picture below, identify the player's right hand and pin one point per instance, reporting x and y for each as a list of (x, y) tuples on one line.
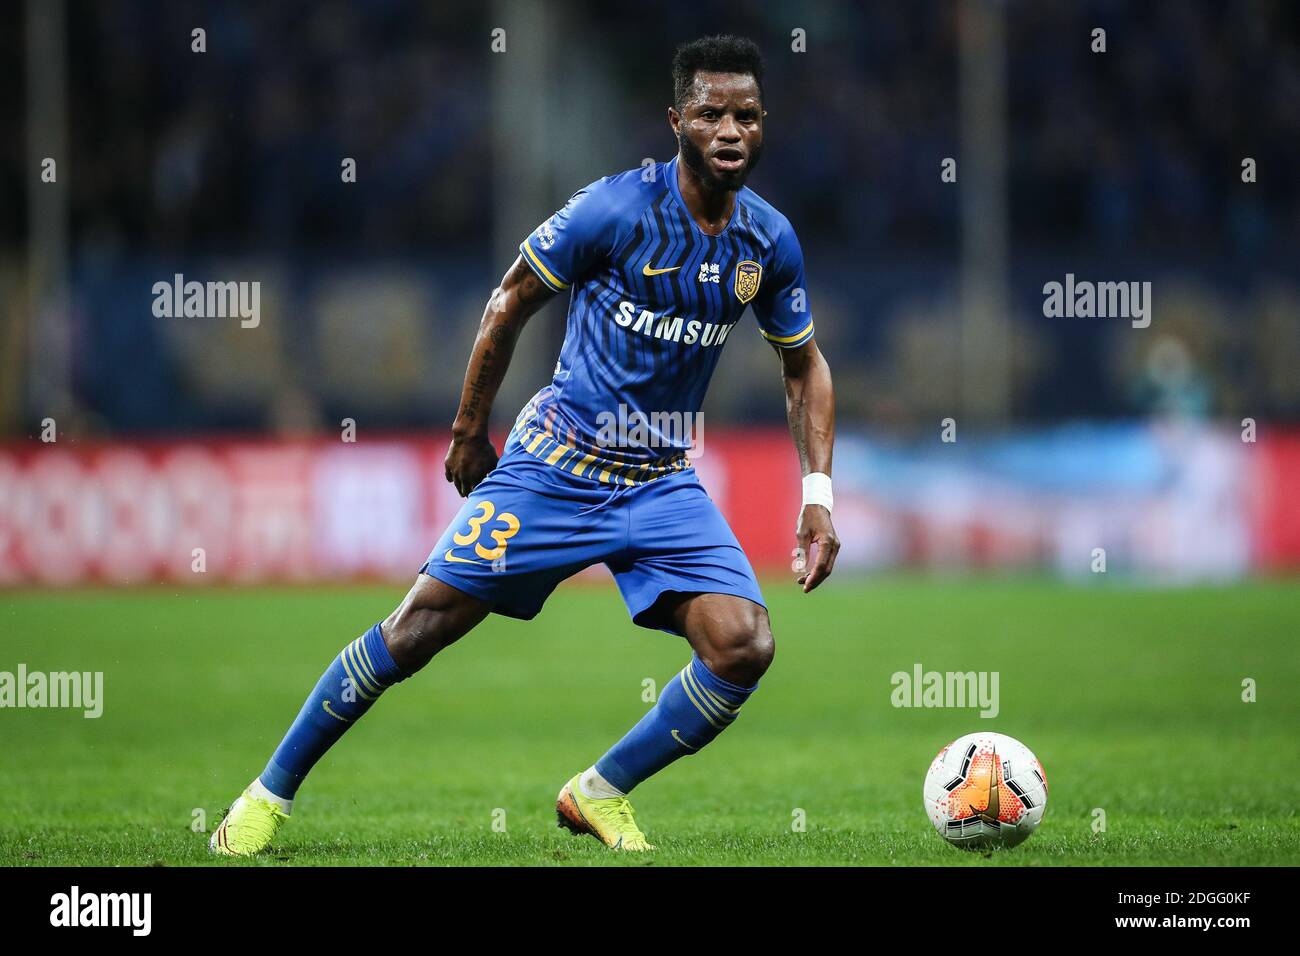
[(469, 459)]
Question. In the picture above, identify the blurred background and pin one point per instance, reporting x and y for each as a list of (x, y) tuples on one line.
[(131, 444)]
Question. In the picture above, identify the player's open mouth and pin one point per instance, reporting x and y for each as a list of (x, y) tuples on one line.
[(729, 159)]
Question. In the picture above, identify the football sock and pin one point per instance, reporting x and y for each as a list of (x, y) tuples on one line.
[(597, 787), (693, 708), (258, 789), (347, 689)]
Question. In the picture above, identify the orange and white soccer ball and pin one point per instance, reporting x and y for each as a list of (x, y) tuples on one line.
[(985, 790)]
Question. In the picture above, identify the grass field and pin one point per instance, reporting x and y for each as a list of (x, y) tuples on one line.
[(1131, 699)]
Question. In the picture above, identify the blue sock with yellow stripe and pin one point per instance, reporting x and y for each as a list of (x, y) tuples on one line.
[(693, 708), (353, 682)]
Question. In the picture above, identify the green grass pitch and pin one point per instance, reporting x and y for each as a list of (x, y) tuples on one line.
[(1132, 699)]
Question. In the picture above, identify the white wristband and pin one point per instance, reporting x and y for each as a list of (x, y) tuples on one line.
[(817, 490)]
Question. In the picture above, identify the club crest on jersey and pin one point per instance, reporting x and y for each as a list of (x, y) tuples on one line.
[(748, 275)]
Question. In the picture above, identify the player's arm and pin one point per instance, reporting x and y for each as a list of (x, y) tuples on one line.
[(810, 408), (520, 294)]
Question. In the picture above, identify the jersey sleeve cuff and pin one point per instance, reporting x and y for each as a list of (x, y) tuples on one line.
[(549, 279), (790, 341)]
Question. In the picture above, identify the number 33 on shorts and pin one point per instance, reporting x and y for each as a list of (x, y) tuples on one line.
[(504, 528)]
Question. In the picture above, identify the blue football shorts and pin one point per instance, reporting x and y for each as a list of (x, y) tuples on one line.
[(529, 525)]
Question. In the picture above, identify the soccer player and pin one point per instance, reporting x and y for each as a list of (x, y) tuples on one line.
[(660, 264)]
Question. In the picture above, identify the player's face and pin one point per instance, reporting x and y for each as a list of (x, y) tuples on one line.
[(720, 129)]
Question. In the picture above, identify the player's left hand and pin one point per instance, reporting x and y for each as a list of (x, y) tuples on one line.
[(815, 528)]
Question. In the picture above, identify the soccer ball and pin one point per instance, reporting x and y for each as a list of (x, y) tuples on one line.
[(985, 790)]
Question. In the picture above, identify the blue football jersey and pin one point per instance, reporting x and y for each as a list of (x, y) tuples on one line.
[(652, 301)]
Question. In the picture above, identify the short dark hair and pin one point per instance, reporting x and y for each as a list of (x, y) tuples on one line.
[(716, 54)]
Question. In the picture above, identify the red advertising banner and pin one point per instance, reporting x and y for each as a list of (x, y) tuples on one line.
[(283, 511), (1167, 504), (1276, 512)]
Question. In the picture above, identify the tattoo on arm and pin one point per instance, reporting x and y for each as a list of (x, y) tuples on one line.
[(532, 289), (511, 304), (492, 362)]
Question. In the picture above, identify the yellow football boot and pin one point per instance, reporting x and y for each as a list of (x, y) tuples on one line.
[(249, 827), (609, 821)]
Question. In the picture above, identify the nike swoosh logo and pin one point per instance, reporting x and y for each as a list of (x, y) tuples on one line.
[(451, 557), (647, 271), (329, 710), (995, 778), (678, 737)]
